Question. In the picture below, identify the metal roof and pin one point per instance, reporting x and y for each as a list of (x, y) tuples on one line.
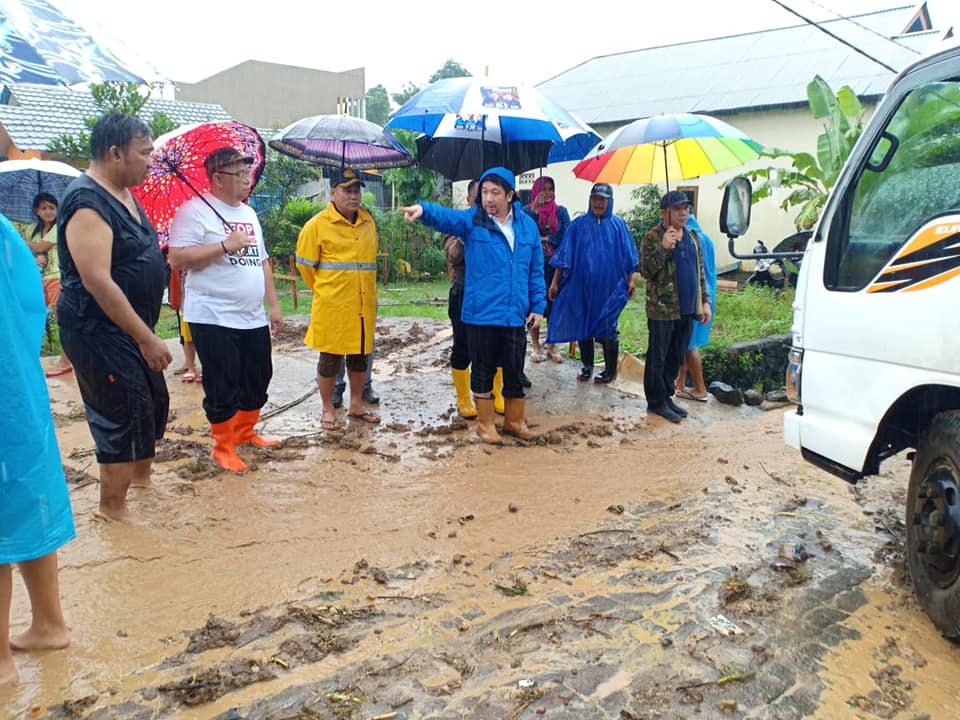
[(769, 68), (36, 114)]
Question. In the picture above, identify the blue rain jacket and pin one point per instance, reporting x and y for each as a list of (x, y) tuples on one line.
[(502, 286), (595, 257), (701, 333), (35, 515)]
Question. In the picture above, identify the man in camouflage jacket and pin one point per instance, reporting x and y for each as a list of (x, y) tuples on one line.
[(671, 263)]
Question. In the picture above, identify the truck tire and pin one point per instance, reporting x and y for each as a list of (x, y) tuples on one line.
[(933, 522)]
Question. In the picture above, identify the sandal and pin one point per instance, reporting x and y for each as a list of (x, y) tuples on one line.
[(189, 376), (538, 356), (554, 355), (686, 394), (330, 425), (367, 416)]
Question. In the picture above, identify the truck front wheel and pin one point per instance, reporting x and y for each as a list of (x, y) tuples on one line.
[(933, 522)]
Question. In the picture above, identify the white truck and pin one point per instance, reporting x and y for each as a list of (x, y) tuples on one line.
[(875, 363)]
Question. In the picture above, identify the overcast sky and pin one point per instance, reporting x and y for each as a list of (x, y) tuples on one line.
[(398, 42)]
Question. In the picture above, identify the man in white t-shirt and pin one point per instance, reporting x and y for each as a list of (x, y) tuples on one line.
[(217, 238)]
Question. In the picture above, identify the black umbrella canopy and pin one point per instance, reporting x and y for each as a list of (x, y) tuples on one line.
[(467, 159)]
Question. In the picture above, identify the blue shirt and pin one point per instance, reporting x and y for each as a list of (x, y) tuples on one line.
[(688, 282)]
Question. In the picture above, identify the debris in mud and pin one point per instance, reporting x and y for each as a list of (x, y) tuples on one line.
[(308, 648), (216, 633), (513, 508), (517, 588), (73, 708), (734, 588), (616, 509), (214, 682), (78, 477), (723, 626)]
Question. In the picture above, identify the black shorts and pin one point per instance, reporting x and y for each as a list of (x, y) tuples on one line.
[(126, 402)]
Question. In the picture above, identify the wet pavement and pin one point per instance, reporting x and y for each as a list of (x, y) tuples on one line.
[(618, 567)]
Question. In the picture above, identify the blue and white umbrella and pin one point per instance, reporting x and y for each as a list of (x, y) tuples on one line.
[(21, 180), (471, 123), (39, 44)]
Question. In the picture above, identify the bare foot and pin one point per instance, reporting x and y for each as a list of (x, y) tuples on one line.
[(8, 673), (147, 483), (51, 639), (122, 516)]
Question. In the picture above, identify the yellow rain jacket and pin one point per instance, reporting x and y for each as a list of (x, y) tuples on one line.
[(337, 259)]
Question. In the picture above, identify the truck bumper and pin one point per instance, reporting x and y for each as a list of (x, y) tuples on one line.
[(791, 428)]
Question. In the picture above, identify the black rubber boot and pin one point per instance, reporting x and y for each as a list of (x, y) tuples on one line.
[(611, 353)]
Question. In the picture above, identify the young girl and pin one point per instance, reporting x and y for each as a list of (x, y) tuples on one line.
[(42, 242)]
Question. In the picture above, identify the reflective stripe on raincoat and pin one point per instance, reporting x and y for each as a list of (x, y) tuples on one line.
[(337, 260)]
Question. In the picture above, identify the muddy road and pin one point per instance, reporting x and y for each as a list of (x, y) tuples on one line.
[(619, 567)]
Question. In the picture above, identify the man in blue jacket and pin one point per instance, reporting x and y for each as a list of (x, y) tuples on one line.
[(504, 293)]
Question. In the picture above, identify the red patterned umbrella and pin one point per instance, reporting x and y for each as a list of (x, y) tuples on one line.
[(177, 173)]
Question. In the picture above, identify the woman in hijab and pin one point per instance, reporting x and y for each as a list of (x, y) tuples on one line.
[(552, 219)]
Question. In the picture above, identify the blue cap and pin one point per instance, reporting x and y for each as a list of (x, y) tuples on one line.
[(674, 198)]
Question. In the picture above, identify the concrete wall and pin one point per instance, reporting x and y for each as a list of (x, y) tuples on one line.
[(268, 95), (792, 129)]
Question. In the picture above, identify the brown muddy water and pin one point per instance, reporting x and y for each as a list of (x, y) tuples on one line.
[(619, 567)]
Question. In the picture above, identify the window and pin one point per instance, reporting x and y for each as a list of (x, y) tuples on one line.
[(692, 192), (910, 178)]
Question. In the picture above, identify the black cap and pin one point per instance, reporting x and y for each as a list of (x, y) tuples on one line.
[(225, 157), (603, 190), (674, 198), (345, 177)]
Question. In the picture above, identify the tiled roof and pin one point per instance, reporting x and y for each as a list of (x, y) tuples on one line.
[(770, 68), (39, 113)]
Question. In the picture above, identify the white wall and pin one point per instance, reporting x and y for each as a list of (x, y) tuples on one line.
[(794, 129)]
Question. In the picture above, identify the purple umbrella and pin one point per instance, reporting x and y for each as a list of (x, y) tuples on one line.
[(342, 141)]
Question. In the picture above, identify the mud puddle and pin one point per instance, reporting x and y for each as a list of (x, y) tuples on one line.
[(616, 568)]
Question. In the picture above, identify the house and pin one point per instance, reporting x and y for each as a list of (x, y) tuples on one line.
[(755, 81), (271, 95), (31, 116)]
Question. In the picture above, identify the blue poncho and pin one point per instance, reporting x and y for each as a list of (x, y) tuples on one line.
[(595, 256), (35, 516), (701, 333)]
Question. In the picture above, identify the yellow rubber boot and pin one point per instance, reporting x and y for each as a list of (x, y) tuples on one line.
[(224, 449), (498, 391), (245, 434), (486, 429), (461, 381), (514, 422)]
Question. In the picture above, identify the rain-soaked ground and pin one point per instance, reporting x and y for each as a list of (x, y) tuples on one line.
[(620, 567)]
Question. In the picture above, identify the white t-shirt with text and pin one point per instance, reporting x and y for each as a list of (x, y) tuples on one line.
[(229, 291)]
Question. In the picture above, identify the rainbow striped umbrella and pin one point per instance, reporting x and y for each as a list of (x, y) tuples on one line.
[(655, 149)]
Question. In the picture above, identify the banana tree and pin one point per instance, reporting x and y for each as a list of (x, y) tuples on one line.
[(811, 178)]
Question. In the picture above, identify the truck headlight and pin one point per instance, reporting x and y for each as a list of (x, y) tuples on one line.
[(794, 366)]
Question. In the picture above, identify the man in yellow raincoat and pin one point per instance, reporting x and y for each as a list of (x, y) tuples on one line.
[(337, 259)]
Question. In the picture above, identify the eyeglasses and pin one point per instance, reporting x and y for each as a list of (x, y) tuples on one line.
[(237, 173)]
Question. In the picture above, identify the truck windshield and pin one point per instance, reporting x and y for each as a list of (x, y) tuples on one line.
[(919, 181)]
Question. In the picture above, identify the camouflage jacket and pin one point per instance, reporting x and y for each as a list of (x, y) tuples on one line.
[(660, 271)]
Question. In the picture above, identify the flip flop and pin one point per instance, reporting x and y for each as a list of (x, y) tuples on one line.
[(330, 425), (368, 417), (58, 372), (687, 395), (189, 376)]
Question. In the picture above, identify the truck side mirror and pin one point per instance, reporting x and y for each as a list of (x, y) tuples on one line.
[(735, 208)]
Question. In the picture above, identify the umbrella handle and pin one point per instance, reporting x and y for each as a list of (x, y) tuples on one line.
[(183, 178)]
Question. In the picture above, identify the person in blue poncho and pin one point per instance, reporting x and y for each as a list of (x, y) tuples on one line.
[(504, 294), (593, 283), (35, 515), (692, 362)]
